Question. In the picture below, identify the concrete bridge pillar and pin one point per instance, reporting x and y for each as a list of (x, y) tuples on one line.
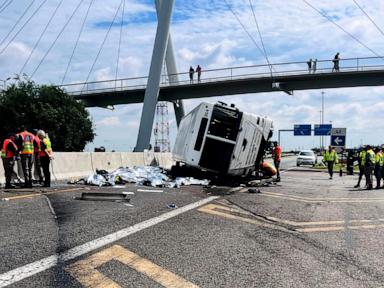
[(152, 91)]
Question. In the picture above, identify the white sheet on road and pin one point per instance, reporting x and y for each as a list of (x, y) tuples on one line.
[(141, 175)]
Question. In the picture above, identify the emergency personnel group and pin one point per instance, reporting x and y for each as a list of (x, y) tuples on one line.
[(370, 162), (31, 149)]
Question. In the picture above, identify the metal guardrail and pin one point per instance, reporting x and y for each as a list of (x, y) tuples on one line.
[(230, 73)]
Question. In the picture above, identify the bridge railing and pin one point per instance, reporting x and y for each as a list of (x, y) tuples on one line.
[(231, 73)]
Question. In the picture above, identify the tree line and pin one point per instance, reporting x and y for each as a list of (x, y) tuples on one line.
[(46, 107)]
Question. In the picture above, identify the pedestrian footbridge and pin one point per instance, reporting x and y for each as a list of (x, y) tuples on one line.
[(288, 77)]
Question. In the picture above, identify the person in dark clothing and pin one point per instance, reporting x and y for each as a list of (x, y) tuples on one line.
[(45, 156), (361, 161), (8, 154), (198, 70), (191, 73), (350, 161), (309, 63), (336, 60), (378, 168)]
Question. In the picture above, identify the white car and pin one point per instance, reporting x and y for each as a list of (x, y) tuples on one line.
[(306, 157)]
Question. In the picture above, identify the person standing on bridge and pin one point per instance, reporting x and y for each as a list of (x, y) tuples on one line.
[(276, 155), (198, 70), (336, 60), (191, 72), (314, 66), (309, 63), (369, 166), (330, 157)]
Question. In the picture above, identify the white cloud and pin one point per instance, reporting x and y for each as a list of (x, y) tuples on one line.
[(103, 74), (206, 32), (112, 121)]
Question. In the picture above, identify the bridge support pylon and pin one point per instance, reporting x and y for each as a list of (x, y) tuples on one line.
[(170, 63), (152, 91)]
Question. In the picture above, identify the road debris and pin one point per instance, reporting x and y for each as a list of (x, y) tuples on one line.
[(98, 196), (140, 175), (254, 190)]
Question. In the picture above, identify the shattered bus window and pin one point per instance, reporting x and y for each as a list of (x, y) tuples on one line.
[(224, 123)]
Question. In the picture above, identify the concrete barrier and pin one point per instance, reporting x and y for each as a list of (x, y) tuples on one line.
[(72, 165)]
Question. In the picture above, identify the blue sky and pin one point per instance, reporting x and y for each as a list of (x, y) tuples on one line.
[(204, 32)]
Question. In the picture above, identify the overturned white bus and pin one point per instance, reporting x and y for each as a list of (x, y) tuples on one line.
[(221, 139)]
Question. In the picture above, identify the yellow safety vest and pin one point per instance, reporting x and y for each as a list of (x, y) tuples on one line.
[(330, 156), (363, 155), (27, 143), (378, 158), (370, 159), (48, 145)]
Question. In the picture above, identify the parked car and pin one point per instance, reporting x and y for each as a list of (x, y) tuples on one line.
[(306, 157)]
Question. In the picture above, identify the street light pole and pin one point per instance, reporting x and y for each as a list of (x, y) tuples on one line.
[(322, 118), (320, 138)]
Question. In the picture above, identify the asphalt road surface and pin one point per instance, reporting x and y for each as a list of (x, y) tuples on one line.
[(305, 231)]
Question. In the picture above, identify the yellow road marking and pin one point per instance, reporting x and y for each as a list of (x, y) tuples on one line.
[(85, 270), (210, 209), (39, 194), (317, 200), (338, 228), (319, 223), (321, 226)]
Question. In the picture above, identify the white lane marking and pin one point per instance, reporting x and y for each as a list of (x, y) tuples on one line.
[(153, 191), (31, 269), (128, 193)]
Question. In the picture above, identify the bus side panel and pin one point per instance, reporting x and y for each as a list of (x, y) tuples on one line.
[(186, 149)]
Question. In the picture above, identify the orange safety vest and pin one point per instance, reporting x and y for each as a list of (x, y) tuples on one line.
[(6, 153), (36, 148), (27, 143)]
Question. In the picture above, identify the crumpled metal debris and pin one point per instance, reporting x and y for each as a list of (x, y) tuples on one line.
[(140, 175)]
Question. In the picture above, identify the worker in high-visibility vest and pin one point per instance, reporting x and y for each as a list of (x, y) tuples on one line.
[(45, 155), (37, 174), (330, 157), (370, 160), (382, 163), (8, 154), (378, 166), (361, 161), (276, 155), (25, 142)]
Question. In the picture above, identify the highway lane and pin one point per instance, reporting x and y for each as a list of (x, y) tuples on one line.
[(288, 162), (305, 231)]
